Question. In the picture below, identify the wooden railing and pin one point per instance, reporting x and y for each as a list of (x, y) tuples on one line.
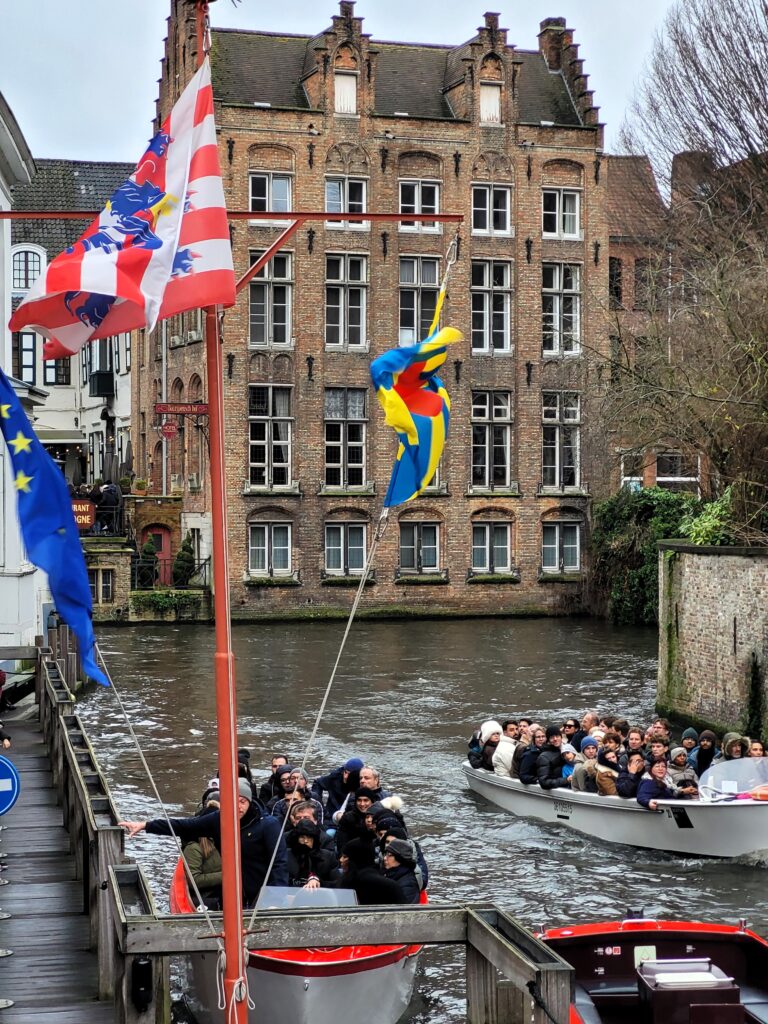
[(511, 977)]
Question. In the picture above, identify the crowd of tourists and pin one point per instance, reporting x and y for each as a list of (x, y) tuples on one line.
[(343, 830), (606, 755)]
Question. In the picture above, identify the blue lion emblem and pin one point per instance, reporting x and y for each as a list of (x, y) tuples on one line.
[(132, 210), (183, 262), (159, 144), (91, 308)]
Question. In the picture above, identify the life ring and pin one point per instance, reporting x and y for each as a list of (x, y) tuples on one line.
[(760, 792)]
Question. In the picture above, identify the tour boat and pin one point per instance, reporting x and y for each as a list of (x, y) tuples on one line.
[(726, 822), (664, 972), (311, 985)]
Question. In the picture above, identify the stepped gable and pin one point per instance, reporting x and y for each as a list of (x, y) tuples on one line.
[(64, 185), (634, 205)]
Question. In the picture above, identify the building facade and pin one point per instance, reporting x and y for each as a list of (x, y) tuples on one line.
[(338, 122)]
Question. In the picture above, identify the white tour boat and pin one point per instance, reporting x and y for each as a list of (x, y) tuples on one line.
[(730, 819)]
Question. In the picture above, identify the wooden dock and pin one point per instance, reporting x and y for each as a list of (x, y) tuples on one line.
[(51, 974)]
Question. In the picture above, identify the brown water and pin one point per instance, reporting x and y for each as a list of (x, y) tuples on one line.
[(406, 699)]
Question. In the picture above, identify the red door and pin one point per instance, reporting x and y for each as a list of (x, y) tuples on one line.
[(161, 538)]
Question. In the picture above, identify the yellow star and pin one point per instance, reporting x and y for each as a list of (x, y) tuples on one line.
[(22, 482), (20, 443), (4, 413)]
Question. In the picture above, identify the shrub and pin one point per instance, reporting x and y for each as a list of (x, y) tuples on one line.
[(147, 567), (713, 524), (184, 563), (140, 484)]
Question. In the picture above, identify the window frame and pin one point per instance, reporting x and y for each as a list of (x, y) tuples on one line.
[(21, 277), (269, 441), (490, 188), (101, 582), (339, 75), (615, 282), (57, 373), (344, 443), (267, 280), (345, 180), (632, 481), (670, 481), (345, 285), (269, 177), (489, 546), (497, 91), (419, 227), (488, 292), (560, 213), (558, 424), (419, 568), (419, 288), (24, 356), (269, 527), (563, 343), (344, 526), (560, 526), (488, 425)]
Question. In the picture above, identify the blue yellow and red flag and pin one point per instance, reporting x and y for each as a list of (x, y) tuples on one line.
[(417, 406), (48, 525)]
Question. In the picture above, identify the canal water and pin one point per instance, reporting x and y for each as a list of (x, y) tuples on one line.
[(406, 699)]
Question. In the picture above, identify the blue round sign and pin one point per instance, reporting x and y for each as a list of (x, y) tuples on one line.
[(10, 784)]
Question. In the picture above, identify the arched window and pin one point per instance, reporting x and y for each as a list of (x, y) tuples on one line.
[(27, 265), (345, 74)]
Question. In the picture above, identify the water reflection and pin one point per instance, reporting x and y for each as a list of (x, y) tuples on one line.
[(406, 697)]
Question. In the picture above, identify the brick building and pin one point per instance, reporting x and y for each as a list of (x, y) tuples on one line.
[(339, 122)]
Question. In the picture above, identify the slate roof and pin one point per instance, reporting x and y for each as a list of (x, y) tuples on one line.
[(634, 205), (264, 67), (63, 185)]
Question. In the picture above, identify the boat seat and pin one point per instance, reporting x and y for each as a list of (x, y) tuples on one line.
[(755, 1001), (586, 1006)]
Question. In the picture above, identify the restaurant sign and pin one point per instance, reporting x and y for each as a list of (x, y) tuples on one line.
[(84, 513), (182, 408)]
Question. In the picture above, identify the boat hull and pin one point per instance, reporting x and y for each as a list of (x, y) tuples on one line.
[(694, 828)]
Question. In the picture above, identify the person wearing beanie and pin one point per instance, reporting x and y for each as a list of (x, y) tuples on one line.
[(702, 757), (352, 822), (359, 872), (309, 865), (584, 778), (549, 765), (332, 789), (568, 754), (689, 740), (259, 834), (387, 831), (399, 864), (685, 779), (481, 756)]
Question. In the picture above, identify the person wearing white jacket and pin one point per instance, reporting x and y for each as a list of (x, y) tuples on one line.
[(502, 758)]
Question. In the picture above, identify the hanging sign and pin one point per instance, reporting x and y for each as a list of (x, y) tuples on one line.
[(85, 514), (182, 408), (170, 429)]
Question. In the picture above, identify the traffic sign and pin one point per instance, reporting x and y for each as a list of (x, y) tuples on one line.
[(10, 785)]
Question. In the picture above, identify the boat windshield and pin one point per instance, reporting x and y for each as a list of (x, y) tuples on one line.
[(729, 778), (278, 897)]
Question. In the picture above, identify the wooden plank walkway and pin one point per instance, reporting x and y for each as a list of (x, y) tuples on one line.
[(52, 974)]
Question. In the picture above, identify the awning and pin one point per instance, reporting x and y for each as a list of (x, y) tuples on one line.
[(48, 436)]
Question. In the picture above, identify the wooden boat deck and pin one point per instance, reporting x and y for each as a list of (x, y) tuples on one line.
[(52, 975)]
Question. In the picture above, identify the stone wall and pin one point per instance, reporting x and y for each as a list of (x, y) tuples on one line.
[(713, 636)]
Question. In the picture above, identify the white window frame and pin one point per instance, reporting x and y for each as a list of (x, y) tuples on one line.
[(21, 254), (344, 202), (342, 91), (269, 528), (418, 205), (561, 531), (483, 204), (561, 413), (670, 482), (266, 280), (568, 222), (268, 466), (632, 481), (491, 432), (128, 345), (101, 582), (489, 302), (343, 528), (419, 289), (343, 426), (347, 288), (490, 104), (270, 177), (417, 546), (484, 544), (561, 309)]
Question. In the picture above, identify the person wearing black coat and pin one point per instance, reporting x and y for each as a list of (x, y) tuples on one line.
[(271, 787), (361, 874), (336, 785), (530, 756), (259, 833), (653, 787), (629, 778), (309, 865), (549, 766), (399, 863), (352, 824)]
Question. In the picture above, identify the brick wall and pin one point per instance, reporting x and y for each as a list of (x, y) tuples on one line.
[(713, 635)]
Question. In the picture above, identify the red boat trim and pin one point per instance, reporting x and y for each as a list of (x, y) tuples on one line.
[(326, 969), (650, 925)]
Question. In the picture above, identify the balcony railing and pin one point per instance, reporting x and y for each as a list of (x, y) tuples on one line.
[(153, 573)]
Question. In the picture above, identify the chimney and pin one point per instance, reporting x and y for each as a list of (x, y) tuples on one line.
[(552, 40)]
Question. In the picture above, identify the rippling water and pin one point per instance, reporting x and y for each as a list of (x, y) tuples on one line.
[(406, 698)]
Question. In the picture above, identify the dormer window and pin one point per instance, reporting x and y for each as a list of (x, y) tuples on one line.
[(345, 85), (27, 265), (490, 103)]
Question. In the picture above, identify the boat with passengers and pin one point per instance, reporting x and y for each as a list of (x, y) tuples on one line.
[(729, 820)]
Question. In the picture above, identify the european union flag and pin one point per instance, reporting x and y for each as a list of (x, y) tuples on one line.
[(417, 405), (48, 525)]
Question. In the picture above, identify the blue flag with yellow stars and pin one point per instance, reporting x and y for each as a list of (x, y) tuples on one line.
[(48, 525)]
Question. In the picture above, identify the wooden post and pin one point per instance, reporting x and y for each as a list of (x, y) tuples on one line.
[(109, 851), (64, 649), (482, 1004)]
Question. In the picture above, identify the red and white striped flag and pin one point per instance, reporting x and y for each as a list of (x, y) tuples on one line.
[(161, 245)]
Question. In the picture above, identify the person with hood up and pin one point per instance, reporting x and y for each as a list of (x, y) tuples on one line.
[(285, 785), (583, 779), (568, 754), (336, 786), (399, 864), (481, 752), (352, 822), (733, 746), (259, 833), (685, 779), (702, 756), (549, 766), (653, 786), (607, 772), (359, 872), (309, 865)]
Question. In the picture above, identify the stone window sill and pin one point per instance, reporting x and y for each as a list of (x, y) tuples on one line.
[(347, 492), (560, 577), (329, 580), (562, 492), (422, 579), (497, 578), (513, 491), (293, 491), (289, 580)]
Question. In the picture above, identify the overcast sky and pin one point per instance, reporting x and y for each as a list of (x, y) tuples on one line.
[(81, 75)]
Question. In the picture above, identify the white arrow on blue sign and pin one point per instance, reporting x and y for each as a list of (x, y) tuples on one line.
[(10, 785)]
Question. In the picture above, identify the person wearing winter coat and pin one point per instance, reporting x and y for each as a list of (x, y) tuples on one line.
[(502, 756), (359, 872), (204, 865), (629, 778), (399, 862), (549, 766), (271, 787), (607, 772), (530, 757), (309, 865), (653, 786), (583, 778), (352, 823), (482, 750), (685, 779), (701, 757), (336, 785), (733, 746)]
